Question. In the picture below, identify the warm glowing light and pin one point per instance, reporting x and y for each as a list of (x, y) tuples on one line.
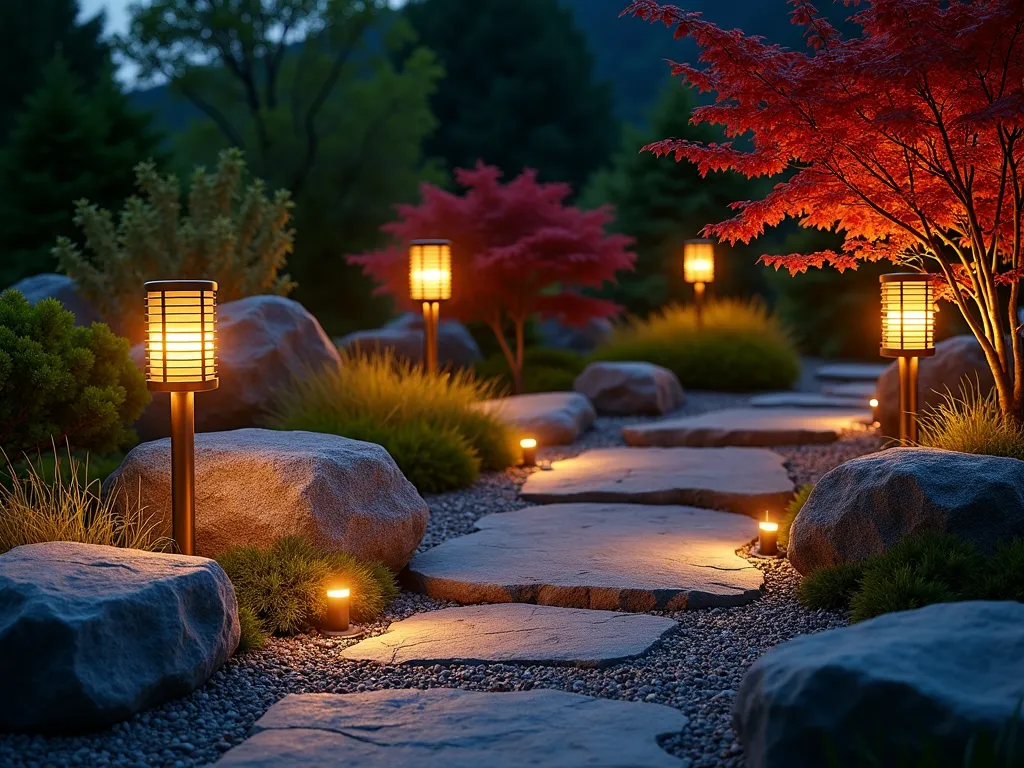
[(430, 270), (698, 261), (337, 593), (873, 402), (527, 442), (908, 315), (181, 335), (765, 526)]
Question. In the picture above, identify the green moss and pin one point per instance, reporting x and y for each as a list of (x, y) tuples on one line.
[(739, 347), (285, 585)]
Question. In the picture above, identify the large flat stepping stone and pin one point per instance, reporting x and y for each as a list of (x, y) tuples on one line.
[(864, 390), (749, 427), (807, 400), (446, 728), (851, 371), (745, 480), (601, 556), (553, 418), (514, 633)]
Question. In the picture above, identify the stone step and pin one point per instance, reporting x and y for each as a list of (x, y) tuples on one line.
[(864, 390), (807, 400), (514, 633), (745, 480), (446, 728), (851, 371), (748, 427), (553, 418), (600, 556)]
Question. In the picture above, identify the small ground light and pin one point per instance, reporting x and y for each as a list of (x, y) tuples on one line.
[(337, 622), (873, 402), (529, 446), (768, 538)]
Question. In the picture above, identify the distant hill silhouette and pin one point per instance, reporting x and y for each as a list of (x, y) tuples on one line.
[(628, 52)]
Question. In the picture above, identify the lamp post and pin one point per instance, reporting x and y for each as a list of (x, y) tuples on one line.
[(430, 281), (699, 269), (181, 358), (908, 333)]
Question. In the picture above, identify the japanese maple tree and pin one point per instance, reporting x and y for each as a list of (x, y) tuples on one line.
[(517, 250), (908, 139)]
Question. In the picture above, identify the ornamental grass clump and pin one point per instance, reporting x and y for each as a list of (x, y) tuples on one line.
[(283, 587), (544, 370), (428, 423), (972, 423), (39, 505), (739, 347)]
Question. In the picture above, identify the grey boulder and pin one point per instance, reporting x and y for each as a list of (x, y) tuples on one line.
[(896, 685), (869, 503), (63, 289), (257, 485), (90, 635), (958, 362), (263, 342), (630, 389), (456, 347), (552, 418)]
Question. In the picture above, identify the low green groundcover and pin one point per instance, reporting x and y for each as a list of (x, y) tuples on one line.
[(544, 370)]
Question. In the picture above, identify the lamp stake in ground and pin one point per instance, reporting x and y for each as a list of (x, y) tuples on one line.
[(181, 359), (908, 333), (430, 281), (699, 270)]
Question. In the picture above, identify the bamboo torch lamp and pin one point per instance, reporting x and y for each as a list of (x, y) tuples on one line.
[(181, 359), (699, 270), (908, 333), (430, 282)]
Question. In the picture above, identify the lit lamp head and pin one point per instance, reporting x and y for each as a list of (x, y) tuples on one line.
[(336, 622), (430, 270), (529, 446), (768, 537), (908, 315), (181, 335), (698, 261)]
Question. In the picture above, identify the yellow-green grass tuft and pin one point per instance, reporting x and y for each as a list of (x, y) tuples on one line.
[(971, 423)]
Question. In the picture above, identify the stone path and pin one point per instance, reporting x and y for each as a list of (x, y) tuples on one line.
[(514, 633), (748, 427), (602, 556), (864, 390), (851, 371), (553, 418), (806, 400), (445, 728), (745, 480)]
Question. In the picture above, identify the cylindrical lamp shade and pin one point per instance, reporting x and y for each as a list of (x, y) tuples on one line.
[(430, 270), (908, 315), (698, 261), (181, 335)]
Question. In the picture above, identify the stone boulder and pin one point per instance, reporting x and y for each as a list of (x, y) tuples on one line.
[(254, 486), (957, 362), (869, 503), (90, 635), (582, 339), (262, 343), (63, 289), (553, 418), (896, 685), (456, 347), (630, 389)]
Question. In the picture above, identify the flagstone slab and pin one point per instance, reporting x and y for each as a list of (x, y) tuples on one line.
[(865, 390), (448, 728), (807, 400), (748, 427), (553, 418), (628, 557), (851, 371), (514, 633), (744, 480)]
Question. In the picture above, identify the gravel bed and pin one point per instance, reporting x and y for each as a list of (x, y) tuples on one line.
[(697, 670)]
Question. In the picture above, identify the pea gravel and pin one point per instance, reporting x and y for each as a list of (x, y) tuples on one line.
[(697, 670)]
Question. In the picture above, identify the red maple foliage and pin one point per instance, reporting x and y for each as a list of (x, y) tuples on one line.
[(517, 250), (908, 139)]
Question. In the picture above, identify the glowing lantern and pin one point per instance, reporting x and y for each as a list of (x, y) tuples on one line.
[(768, 537), (430, 281), (908, 333), (529, 446), (181, 358), (698, 269), (338, 611)]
